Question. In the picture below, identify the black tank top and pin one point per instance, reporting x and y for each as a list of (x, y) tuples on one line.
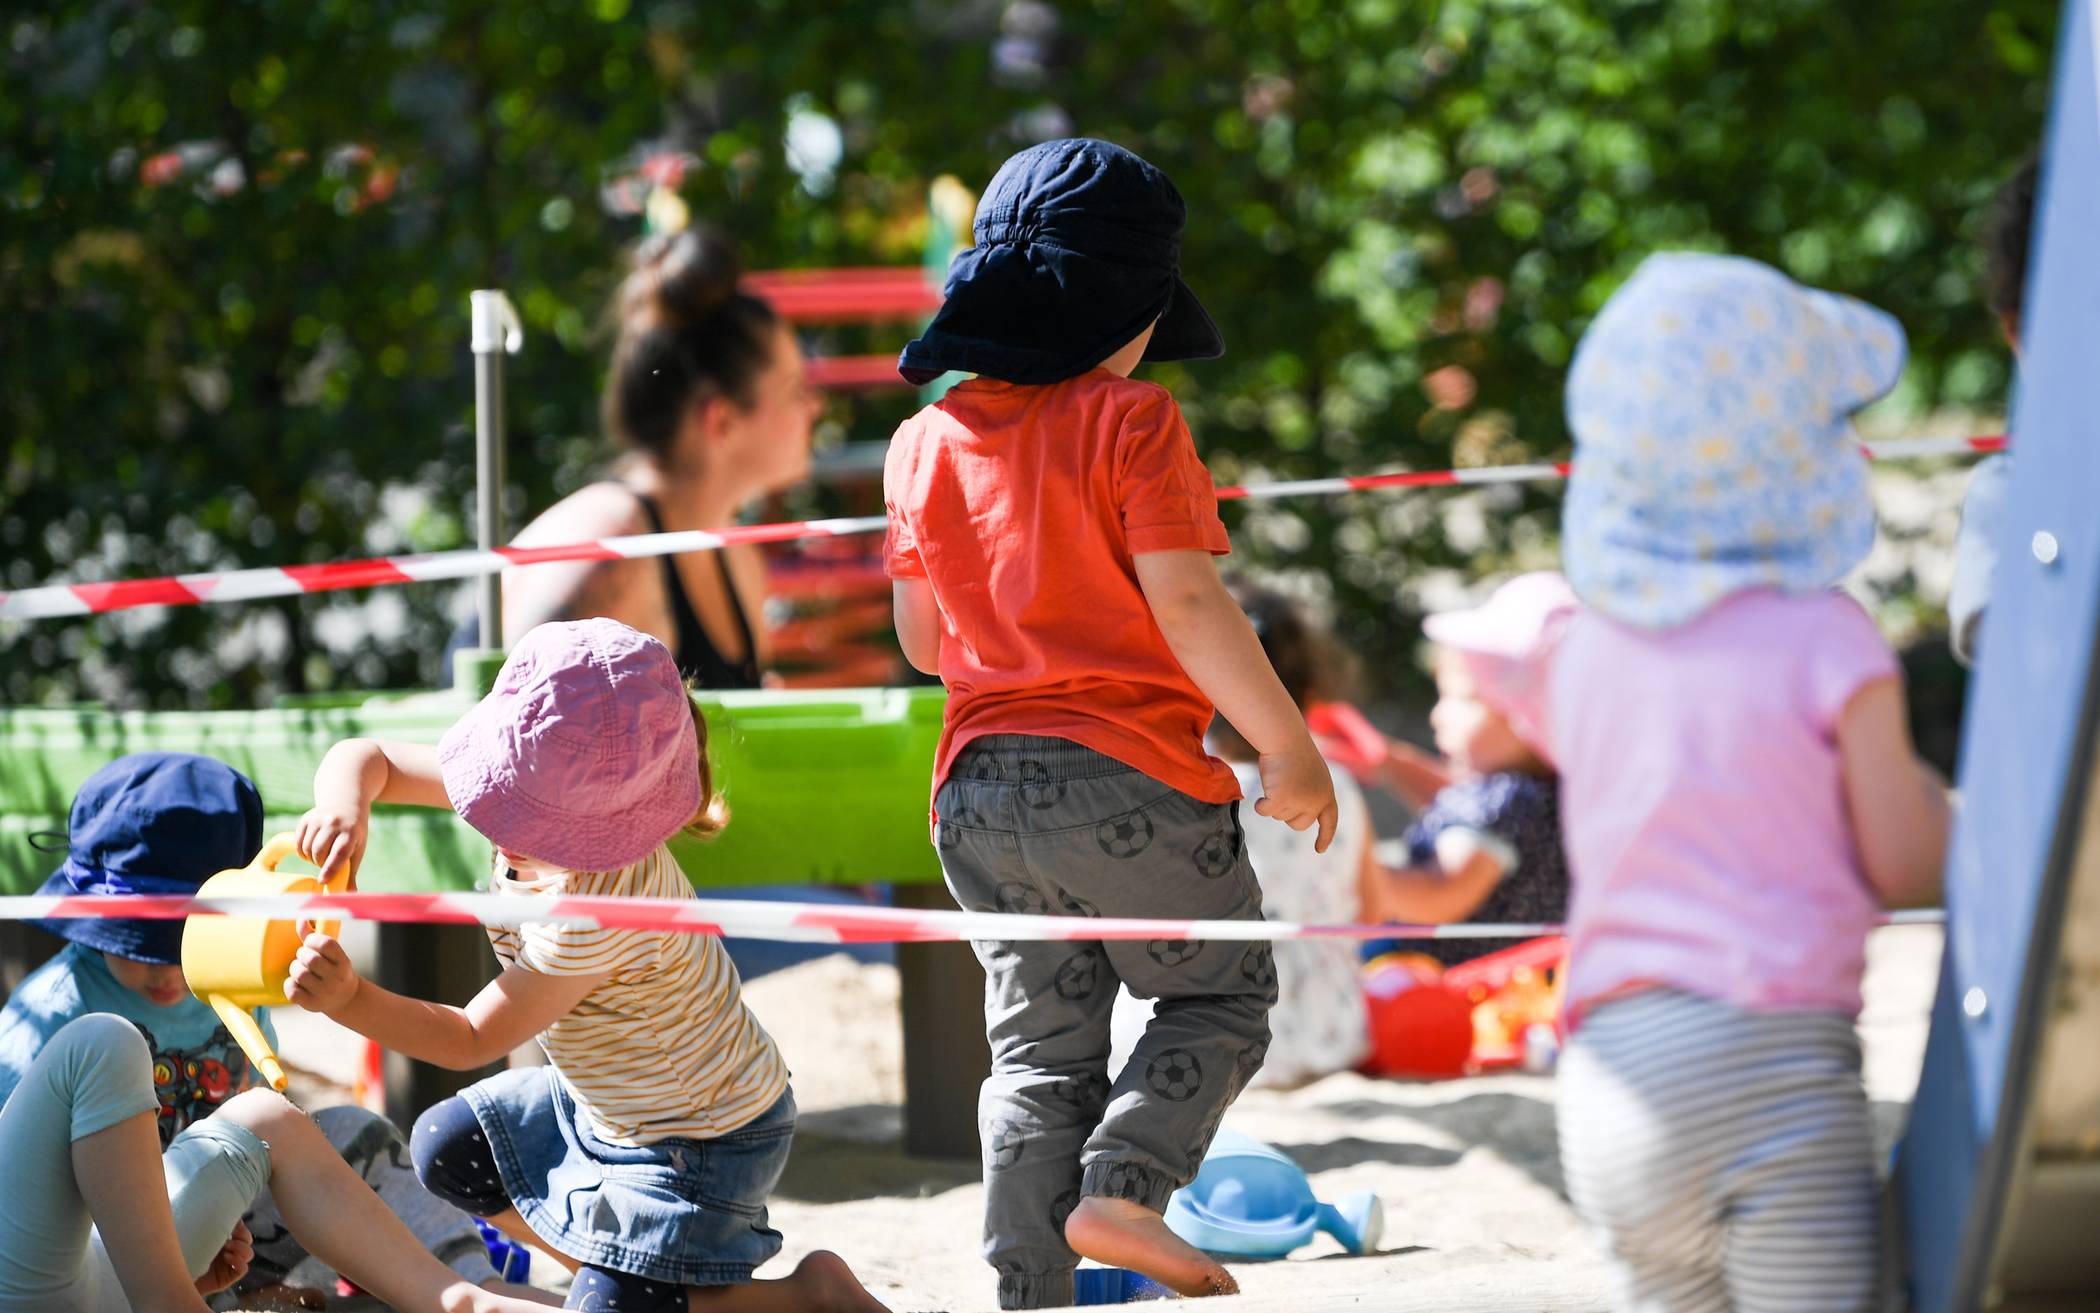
[(698, 659)]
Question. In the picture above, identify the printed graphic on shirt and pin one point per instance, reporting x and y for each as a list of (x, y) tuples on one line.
[(192, 1083)]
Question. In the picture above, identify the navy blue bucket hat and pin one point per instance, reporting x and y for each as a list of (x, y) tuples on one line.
[(1078, 249), (152, 823)]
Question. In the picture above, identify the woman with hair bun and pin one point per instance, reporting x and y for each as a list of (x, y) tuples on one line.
[(709, 397)]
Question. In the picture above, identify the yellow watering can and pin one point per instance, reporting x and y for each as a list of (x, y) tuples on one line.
[(236, 963)]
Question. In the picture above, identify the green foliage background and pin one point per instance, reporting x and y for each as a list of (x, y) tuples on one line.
[(257, 353)]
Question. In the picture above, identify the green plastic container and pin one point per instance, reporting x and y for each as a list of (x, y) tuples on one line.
[(822, 787)]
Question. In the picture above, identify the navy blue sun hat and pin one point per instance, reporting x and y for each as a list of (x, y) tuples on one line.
[(152, 823), (1078, 249)]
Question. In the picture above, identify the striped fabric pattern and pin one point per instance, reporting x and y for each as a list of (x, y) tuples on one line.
[(664, 1046), (1723, 1158)]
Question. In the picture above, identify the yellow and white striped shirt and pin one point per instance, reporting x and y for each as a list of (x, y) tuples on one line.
[(664, 1046)]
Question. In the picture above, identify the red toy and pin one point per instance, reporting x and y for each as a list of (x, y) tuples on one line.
[(1420, 1026), (1428, 1022)]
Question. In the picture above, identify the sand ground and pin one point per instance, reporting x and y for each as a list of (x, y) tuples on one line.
[(1475, 1214)]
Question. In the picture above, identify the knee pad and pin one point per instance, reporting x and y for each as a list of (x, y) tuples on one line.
[(605, 1291), (453, 1159)]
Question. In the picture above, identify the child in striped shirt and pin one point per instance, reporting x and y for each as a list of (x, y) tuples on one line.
[(643, 1154), (1738, 790)]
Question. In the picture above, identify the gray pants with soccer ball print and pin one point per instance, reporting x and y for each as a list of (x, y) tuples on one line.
[(1045, 826)]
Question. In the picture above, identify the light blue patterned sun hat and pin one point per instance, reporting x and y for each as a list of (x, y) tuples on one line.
[(1711, 403)]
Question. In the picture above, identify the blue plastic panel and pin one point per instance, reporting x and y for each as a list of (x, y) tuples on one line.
[(2026, 759)]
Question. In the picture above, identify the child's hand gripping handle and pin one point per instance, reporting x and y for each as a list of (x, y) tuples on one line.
[(235, 963)]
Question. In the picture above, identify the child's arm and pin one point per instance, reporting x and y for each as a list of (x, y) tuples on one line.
[(1413, 774), (1897, 805), (508, 1011), (918, 624), (355, 774), (1466, 872), (1211, 638)]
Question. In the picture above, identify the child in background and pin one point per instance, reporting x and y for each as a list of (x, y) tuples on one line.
[(1983, 509), (1318, 1025), (643, 1154), (1739, 791), (164, 823), (1487, 846), (1050, 537)]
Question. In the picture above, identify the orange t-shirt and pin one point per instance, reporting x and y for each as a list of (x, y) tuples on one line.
[(1021, 507)]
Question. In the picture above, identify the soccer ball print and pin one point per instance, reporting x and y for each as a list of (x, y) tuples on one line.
[(1175, 1075), (1216, 855), (1172, 952), (1038, 790), (1020, 897), (1125, 836), (1003, 1144), (1078, 976)]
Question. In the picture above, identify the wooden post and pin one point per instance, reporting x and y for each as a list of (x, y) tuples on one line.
[(945, 1054), (444, 963)]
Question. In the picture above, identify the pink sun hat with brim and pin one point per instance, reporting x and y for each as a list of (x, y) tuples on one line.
[(584, 755), (1508, 641)]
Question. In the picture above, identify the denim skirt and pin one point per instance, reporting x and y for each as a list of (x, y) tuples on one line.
[(692, 1212)]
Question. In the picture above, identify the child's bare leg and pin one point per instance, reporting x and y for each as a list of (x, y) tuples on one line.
[(345, 1225), (820, 1283), (510, 1223), (117, 1171), (1125, 1233)]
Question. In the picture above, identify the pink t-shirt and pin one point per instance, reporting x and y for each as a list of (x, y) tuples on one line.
[(1702, 804)]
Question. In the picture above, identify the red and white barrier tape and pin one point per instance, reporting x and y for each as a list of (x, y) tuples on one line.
[(55, 600), (812, 923)]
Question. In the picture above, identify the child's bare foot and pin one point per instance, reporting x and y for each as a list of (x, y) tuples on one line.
[(820, 1283), (1122, 1233), (832, 1285)]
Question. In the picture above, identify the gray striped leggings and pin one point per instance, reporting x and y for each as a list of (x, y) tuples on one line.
[(1723, 1158)]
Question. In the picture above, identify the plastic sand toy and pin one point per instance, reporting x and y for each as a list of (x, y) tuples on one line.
[(1250, 1201)]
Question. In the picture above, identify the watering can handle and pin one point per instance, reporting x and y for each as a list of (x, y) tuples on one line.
[(276, 850), (282, 846)]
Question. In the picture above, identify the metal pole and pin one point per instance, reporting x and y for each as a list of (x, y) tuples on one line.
[(496, 332), (448, 963)]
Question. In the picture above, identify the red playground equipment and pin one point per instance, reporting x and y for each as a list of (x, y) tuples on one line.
[(834, 594)]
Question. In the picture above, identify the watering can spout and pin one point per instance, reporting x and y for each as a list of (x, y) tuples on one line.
[(237, 963), (241, 1025)]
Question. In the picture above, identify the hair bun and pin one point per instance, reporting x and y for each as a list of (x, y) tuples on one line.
[(680, 279)]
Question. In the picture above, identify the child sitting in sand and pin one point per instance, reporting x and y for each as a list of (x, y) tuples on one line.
[(1739, 789), (81, 1140), (163, 823), (1050, 537), (1487, 846), (642, 1156)]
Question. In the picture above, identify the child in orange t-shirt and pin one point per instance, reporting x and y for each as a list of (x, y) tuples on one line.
[(1050, 537)]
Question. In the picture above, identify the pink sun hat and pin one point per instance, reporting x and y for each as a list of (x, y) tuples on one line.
[(584, 755), (1507, 642)]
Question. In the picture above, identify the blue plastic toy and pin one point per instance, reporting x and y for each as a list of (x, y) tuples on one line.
[(1249, 1201), (1114, 1285), (512, 1261)]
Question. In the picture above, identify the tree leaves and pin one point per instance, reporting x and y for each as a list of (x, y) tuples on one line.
[(235, 249)]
